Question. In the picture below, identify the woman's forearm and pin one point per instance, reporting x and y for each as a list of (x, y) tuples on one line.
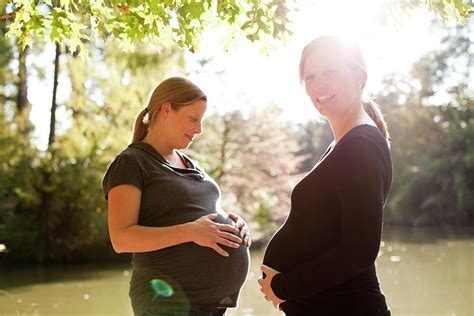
[(137, 238)]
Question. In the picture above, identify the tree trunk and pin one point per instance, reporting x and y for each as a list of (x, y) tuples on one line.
[(225, 141), (219, 170), (22, 96), (44, 215), (52, 126), (46, 195)]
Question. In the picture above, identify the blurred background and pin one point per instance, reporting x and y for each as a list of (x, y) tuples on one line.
[(64, 115)]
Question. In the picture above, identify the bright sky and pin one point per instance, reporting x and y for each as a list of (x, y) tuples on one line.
[(250, 78), (245, 78)]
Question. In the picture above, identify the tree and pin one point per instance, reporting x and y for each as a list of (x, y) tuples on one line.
[(22, 96), (253, 160), (165, 23), (313, 138), (53, 201), (102, 108), (446, 9), (161, 23), (431, 116), (6, 55), (17, 155)]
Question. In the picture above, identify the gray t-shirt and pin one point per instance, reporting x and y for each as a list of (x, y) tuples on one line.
[(198, 276)]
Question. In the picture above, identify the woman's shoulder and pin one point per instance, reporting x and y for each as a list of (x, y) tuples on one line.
[(132, 158), (366, 137), (129, 154), (364, 144), (126, 168), (142, 153), (366, 131)]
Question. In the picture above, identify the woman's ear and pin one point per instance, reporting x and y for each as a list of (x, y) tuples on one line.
[(361, 77), (165, 109)]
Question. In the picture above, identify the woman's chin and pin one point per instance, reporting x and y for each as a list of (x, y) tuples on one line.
[(326, 108), (322, 109), (184, 145)]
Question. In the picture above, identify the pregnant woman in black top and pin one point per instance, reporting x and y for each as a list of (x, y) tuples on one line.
[(321, 261), (189, 257)]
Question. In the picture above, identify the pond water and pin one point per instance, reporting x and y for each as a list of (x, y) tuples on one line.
[(421, 272)]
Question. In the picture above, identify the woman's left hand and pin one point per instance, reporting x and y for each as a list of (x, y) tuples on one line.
[(265, 285), (243, 228)]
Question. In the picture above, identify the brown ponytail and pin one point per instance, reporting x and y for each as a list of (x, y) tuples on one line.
[(373, 110), (177, 91), (353, 55), (140, 129)]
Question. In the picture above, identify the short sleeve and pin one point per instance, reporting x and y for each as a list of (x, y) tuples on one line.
[(125, 169)]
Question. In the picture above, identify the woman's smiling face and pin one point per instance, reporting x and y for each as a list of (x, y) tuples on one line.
[(183, 125), (332, 86)]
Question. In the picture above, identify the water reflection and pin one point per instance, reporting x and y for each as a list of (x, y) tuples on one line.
[(422, 272)]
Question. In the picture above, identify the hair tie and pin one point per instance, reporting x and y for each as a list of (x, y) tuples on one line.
[(146, 117)]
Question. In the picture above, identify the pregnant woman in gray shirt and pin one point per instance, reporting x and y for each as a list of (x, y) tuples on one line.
[(189, 257)]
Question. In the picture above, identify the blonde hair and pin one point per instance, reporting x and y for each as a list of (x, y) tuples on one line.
[(353, 56), (177, 91)]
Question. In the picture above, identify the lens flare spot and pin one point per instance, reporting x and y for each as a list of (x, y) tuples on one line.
[(251, 276), (161, 288)]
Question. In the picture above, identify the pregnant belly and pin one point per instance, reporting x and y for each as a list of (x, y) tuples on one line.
[(288, 248), (278, 254), (197, 274)]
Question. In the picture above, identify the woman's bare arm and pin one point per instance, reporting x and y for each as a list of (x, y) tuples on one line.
[(127, 236)]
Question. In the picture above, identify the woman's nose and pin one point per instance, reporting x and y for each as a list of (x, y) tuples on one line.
[(198, 128)]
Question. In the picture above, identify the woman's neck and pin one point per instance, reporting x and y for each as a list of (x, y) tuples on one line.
[(342, 124), (160, 146)]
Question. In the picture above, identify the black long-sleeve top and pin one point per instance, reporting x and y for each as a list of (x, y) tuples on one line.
[(327, 247)]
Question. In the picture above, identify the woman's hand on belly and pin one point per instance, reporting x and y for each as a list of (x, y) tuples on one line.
[(207, 233), (243, 228), (265, 285)]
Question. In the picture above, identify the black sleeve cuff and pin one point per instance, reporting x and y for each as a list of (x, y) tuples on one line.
[(278, 286)]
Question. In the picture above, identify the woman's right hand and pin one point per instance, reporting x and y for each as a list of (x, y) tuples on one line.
[(207, 233)]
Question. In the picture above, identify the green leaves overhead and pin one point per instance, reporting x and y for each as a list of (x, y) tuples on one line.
[(448, 9), (168, 22), (160, 23)]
